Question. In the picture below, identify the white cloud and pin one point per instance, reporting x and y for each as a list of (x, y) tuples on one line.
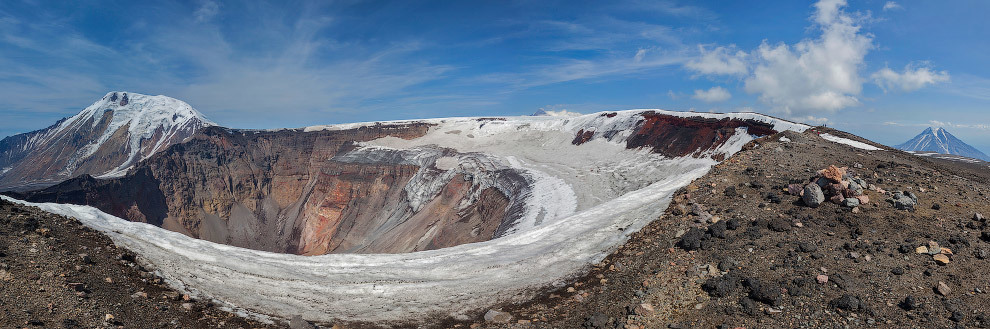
[(890, 5), (714, 95), (816, 76), (913, 78), (206, 11), (813, 76), (719, 61)]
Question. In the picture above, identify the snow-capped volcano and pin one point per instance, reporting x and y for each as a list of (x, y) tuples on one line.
[(104, 139), (939, 140)]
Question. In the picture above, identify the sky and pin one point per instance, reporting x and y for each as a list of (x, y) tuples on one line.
[(884, 70)]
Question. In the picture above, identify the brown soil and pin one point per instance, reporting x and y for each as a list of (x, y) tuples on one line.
[(46, 283)]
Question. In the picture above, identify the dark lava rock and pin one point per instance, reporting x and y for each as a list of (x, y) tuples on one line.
[(897, 271), (727, 263), (807, 247), (718, 229), (722, 286), (910, 303), (848, 303), (936, 206), (981, 254), (732, 224), (730, 192), (780, 225), (597, 321), (763, 292), (692, 239), (905, 249), (985, 236), (957, 316), (753, 233)]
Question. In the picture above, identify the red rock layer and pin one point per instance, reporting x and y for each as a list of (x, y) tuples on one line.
[(686, 136)]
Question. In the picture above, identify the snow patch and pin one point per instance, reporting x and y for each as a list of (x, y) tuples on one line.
[(859, 145)]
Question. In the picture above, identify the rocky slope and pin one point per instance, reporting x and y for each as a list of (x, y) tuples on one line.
[(57, 273), (736, 249), (104, 139)]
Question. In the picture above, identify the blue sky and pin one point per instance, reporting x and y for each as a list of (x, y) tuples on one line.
[(880, 69)]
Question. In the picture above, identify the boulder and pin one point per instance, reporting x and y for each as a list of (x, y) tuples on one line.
[(850, 202), (813, 196)]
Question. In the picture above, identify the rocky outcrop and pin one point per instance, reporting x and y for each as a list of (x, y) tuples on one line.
[(677, 136)]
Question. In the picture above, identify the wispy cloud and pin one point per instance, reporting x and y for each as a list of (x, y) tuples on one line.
[(890, 5), (206, 11), (937, 123)]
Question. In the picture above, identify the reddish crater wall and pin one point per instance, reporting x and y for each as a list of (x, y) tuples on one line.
[(683, 136)]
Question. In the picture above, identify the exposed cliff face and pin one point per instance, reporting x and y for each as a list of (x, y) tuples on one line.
[(295, 192), (553, 208), (106, 138), (320, 191)]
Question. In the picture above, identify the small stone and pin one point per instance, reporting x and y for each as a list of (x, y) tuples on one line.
[(981, 254), (850, 202), (943, 289), (941, 259), (187, 306), (497, 316), (108, 317), (822, 278), (921, 250), (979, 217), (644, 309), (897, 271), (910, 303), (856, 210), (297, 322), (86, 259)]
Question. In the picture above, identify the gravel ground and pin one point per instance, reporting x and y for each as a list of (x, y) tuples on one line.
[(56, 273), (773, 262)]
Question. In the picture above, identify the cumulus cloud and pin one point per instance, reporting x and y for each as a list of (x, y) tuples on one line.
[(912, 78), (714, 95), (890, 5), (719, 61), (815, 75)]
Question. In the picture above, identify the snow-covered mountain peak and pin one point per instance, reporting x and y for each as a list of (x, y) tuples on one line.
[(939, 140), (149, 111)]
